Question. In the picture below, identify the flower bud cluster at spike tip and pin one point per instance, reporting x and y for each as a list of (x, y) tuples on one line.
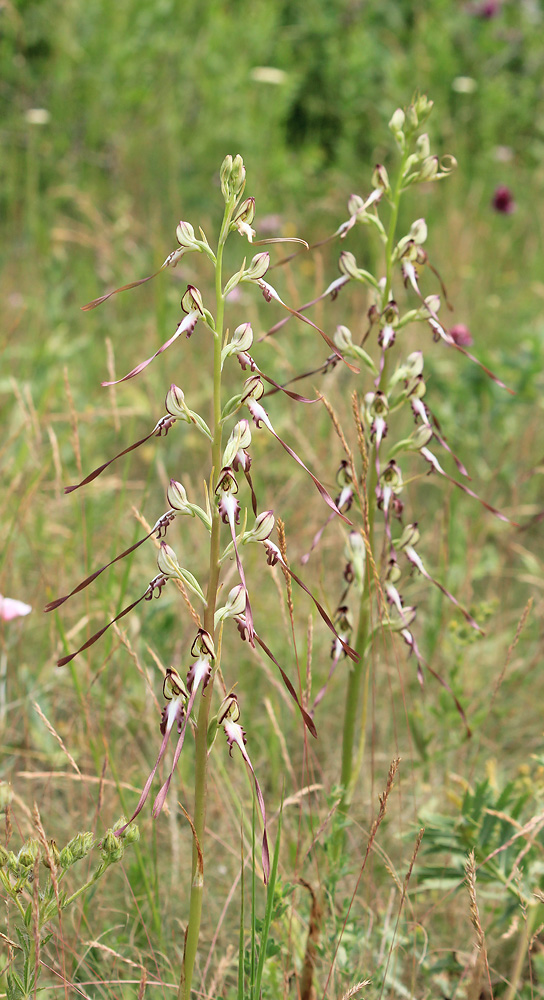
[(233, 177)]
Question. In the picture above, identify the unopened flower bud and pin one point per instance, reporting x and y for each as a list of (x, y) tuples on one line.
[(81, 845), (175, 403), (410, 536), (192, 301), (263, 527), (29, 853), (66, 858), (258, 267), (380, 178), (418, 231), (167, 561), (4, 857), (423, 108), (421, 437), (396, 124), (185, 235), (428, 169), (54, 856), (348, 265), (112, 847), (342, 338), (131, 834), (423, 146), (253, 388), (238, 175), (245, 211), (355, 204), (224, 174), (412, 120), (177, 498), (242, 338), (394, 573)]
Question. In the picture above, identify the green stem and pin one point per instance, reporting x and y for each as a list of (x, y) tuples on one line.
[(201, 739), (356, 712), (522, 952)]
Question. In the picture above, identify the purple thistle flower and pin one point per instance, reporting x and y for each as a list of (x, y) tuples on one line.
[(461, 335), (503, 200)]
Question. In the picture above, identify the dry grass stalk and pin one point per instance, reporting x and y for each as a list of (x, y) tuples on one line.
[(393, 768), (481, 963), (58, 738)]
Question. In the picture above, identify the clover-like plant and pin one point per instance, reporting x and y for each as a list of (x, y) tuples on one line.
[(33, 882)]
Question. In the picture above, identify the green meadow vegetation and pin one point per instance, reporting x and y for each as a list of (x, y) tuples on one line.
[(406, 840)]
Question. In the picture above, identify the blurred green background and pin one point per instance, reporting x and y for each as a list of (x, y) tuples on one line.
[(115, 119)]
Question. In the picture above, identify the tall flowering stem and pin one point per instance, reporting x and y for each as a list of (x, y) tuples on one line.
[(384, 546), (357, 690), (201, 742), (189, 701)]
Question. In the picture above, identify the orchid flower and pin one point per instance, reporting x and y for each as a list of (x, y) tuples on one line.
[(197, 677), (229, 714), (229, 509), (260, 416), (173, 713)]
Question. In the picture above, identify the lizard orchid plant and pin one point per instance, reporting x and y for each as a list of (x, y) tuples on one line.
[(223, 518)]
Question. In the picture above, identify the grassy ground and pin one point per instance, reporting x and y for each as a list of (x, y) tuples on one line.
[(143, 103)]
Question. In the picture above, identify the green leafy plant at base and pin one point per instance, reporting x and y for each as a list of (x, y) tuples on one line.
[(32, 882)]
